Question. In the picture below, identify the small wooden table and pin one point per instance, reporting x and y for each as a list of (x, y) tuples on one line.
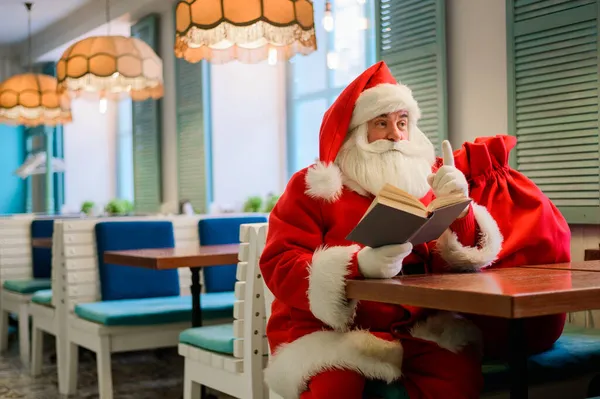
[(41, 242), (514, 294), (585, 266), (174, 258)]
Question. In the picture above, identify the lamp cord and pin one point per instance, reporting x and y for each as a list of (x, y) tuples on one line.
[(108, 17), (28, 6)]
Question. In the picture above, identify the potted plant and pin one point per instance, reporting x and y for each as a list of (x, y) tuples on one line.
[(270, 202), (119, 207), (88, 207), (253, 204)]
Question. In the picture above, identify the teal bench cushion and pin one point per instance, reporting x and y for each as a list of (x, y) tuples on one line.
[(27, 286), (149, 311), (575, 353), (217, 231), (218, 338), (130, 282), (43, 297)]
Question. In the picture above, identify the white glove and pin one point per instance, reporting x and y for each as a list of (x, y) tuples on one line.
[(382, 262), (448, 179)]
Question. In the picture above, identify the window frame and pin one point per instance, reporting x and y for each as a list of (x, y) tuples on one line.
[(331, 92)]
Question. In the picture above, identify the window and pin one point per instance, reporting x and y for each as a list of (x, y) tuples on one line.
[(124, 151), (411, 40), (315, 81), (553, 101)]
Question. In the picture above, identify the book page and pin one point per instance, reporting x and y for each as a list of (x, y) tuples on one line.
[(409, 208), (441, 202), (402, 197)]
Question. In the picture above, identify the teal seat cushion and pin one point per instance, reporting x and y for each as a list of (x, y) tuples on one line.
[(43, 297), (218, 338), (27, 286), (575, 353), (150, 311)]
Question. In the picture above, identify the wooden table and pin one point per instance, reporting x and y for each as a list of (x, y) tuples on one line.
[(41, 242), (174, 258), (585, 266), (514, 294)]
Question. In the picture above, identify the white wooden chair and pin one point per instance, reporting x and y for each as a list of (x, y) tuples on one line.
[(15, 264), (239, 374), (78, 270), (269, 297)]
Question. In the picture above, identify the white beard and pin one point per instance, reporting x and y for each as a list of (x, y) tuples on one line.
[(404, 164)]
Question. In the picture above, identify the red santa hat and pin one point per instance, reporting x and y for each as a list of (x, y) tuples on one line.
[(373, 93)]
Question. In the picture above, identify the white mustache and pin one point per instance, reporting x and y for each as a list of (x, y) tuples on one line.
[(383, 146)]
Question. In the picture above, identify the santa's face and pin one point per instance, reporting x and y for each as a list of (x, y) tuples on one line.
[(392, 126), (387, 149)]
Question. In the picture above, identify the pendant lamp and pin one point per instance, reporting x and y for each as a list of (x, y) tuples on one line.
[(32, 99), (110, 67), (249, 31)]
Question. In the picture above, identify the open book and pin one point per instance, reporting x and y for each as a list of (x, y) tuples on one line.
[(396, 217)]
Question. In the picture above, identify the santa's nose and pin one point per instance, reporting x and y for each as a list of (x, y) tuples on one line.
[(396, 134)]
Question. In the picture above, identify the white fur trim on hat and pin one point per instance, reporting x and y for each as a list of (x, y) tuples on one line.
[(383, 99), (324, 181), (327, 286), (461, 258), (293, 364), (449, 330)]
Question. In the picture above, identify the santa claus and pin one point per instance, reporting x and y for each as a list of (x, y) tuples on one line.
[(325, 346)]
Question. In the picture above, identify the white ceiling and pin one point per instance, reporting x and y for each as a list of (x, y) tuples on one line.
[(13, 16)]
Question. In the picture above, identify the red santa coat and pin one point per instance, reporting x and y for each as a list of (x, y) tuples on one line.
[(306, 262)]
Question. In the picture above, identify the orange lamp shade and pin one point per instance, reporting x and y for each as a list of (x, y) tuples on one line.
[(111, 67), (32, 99), (250, 31)]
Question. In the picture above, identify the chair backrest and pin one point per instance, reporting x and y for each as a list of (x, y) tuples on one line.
[(76, 264), (217, 231), (130, 282), (42, 257), (249, 319), (15, 248)]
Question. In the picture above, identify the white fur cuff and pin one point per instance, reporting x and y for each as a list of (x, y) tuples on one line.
[(449, 330), (461, 258), (293, 365), (327, 286)]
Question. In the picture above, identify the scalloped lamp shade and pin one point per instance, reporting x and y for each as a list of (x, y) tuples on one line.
[(32, 99), (111, 67), (250, 31)]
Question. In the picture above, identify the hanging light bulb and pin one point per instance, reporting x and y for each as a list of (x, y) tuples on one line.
[(272, 56), (103, 105), (328, 17)]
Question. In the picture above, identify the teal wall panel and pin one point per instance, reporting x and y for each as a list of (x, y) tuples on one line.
[(12, 152)]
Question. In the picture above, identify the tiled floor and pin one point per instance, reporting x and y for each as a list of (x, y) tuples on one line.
[(136, 375)]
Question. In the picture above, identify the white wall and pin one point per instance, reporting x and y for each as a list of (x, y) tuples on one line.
[(477, 81), (90, 155), (248, 135)]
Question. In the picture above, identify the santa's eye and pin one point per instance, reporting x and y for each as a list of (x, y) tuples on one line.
[(402, 124), (381, 123)]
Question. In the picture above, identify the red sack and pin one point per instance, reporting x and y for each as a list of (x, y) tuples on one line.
[(534, 230)]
